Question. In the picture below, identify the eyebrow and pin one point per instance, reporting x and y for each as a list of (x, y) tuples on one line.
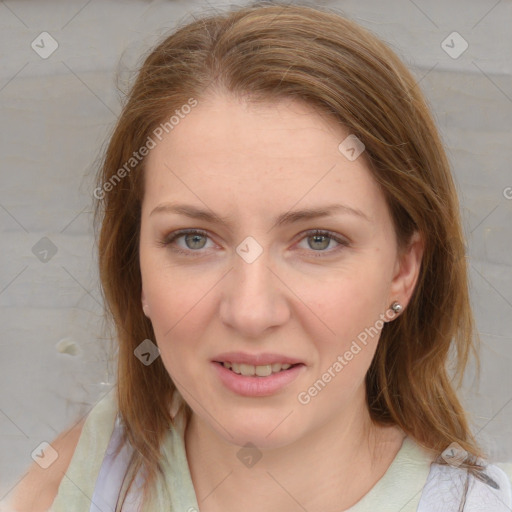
[(283, 219)]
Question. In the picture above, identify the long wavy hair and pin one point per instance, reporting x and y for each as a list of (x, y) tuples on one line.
[(267, 52)]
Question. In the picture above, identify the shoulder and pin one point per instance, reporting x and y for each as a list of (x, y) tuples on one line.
[(506, 467), (39, 487), (449, 485), (491, 490)]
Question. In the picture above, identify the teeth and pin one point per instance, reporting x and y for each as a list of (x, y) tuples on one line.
[(247, 370), (264, 371), (250, 370)]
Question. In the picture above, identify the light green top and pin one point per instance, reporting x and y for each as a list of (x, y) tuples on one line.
[(399, 490)]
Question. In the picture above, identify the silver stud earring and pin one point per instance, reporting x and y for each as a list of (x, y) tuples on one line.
[(397, 307)]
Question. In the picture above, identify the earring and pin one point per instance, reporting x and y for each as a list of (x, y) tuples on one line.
[(396, 307)]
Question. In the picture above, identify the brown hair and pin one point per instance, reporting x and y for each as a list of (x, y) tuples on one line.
[(269, 52)]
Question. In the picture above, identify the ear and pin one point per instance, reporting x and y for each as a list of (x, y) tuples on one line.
[(407, 270), (145, 306)]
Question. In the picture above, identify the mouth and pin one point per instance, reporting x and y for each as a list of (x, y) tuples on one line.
[(265, 370), (271, 375)]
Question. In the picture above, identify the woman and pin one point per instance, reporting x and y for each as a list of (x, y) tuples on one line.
[(278, 217)]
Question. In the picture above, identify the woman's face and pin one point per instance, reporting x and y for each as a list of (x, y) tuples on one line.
[(257, 289)]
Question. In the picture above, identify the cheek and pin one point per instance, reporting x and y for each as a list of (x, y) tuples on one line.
[(177, 329), (174, 310), (346, 347), (172, 292), (349, 303), (345, 328), (179, 306)]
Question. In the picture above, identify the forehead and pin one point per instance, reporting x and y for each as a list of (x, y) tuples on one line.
[(273, 154), (225, 125)]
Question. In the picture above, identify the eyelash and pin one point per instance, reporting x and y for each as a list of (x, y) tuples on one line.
[(169, 239)]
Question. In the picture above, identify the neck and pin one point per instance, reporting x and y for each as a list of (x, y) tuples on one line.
[(328, 469)]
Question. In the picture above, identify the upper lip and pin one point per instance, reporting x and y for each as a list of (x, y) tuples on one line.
[(255, 359)]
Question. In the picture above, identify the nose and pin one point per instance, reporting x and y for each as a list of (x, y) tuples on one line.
[(254, 299)]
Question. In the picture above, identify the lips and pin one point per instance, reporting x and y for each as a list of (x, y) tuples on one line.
[(257, 385), (257, 375), (255, 359)]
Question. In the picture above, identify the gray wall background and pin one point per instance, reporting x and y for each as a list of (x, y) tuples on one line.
[(56, 113)]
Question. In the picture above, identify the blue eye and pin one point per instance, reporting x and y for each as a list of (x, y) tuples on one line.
[(320, 237), (195, 240), (191, 236)]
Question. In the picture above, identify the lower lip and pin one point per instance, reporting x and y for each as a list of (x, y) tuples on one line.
[(257, 386)]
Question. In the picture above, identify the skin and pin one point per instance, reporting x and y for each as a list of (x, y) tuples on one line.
[(253, 162), (38, 488)]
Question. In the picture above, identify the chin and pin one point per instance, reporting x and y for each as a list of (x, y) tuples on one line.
[(266, 431), (243, 438)]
